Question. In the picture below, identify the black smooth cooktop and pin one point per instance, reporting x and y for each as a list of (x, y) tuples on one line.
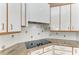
[(35, 43)]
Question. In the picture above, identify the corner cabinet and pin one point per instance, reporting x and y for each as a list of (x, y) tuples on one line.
[(54, 25), (38, 12), (3, 17), (14, 17)]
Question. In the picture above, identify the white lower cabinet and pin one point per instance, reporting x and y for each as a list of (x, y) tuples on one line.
[(43, 51), (48, 53), (76, 51), (37, 52), (62, 50), (58, 52), (48, 48)]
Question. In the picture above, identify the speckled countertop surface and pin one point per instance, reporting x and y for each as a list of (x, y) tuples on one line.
[(61, 42), (20, 49)]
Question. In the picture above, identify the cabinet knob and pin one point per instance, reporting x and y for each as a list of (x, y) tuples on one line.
[(2, 26)]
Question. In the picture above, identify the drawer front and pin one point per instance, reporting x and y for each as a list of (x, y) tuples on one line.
[(57, 52), (48, 53), (48, 48), (63, 48), (37, 52)]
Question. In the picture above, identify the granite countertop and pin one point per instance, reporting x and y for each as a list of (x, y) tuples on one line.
[(17, 49), (20, 49), (61, 42)]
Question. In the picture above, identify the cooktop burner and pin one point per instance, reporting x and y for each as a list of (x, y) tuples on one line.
[(35, 43)]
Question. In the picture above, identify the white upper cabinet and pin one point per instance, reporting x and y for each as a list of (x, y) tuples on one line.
[(38, 12), (3, 17), (14, 17), (54, 18), (65, 17), (23, 13), (75, 17)]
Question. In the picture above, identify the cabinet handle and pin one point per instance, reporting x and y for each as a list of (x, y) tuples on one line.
[(2, 26), (11, 26)]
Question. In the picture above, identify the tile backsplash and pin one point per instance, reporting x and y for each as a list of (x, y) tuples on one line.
[(34, 32)]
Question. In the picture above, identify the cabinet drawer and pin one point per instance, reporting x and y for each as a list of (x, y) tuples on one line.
[(37, 52), (48, 48), (48, 53), (57, 52), (63, 48)]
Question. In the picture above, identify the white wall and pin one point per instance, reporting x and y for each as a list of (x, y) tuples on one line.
[(34, 32), (64, 35)]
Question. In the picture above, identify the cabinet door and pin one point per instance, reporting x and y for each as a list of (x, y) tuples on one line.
[(75, 17), (59, 52), (48, 48), (23, 14), (38, 12), (48, 53), (3, 17), (65, 17), (14, 17), (76, 51), (63, 48), (37, 52), (54, 18)]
